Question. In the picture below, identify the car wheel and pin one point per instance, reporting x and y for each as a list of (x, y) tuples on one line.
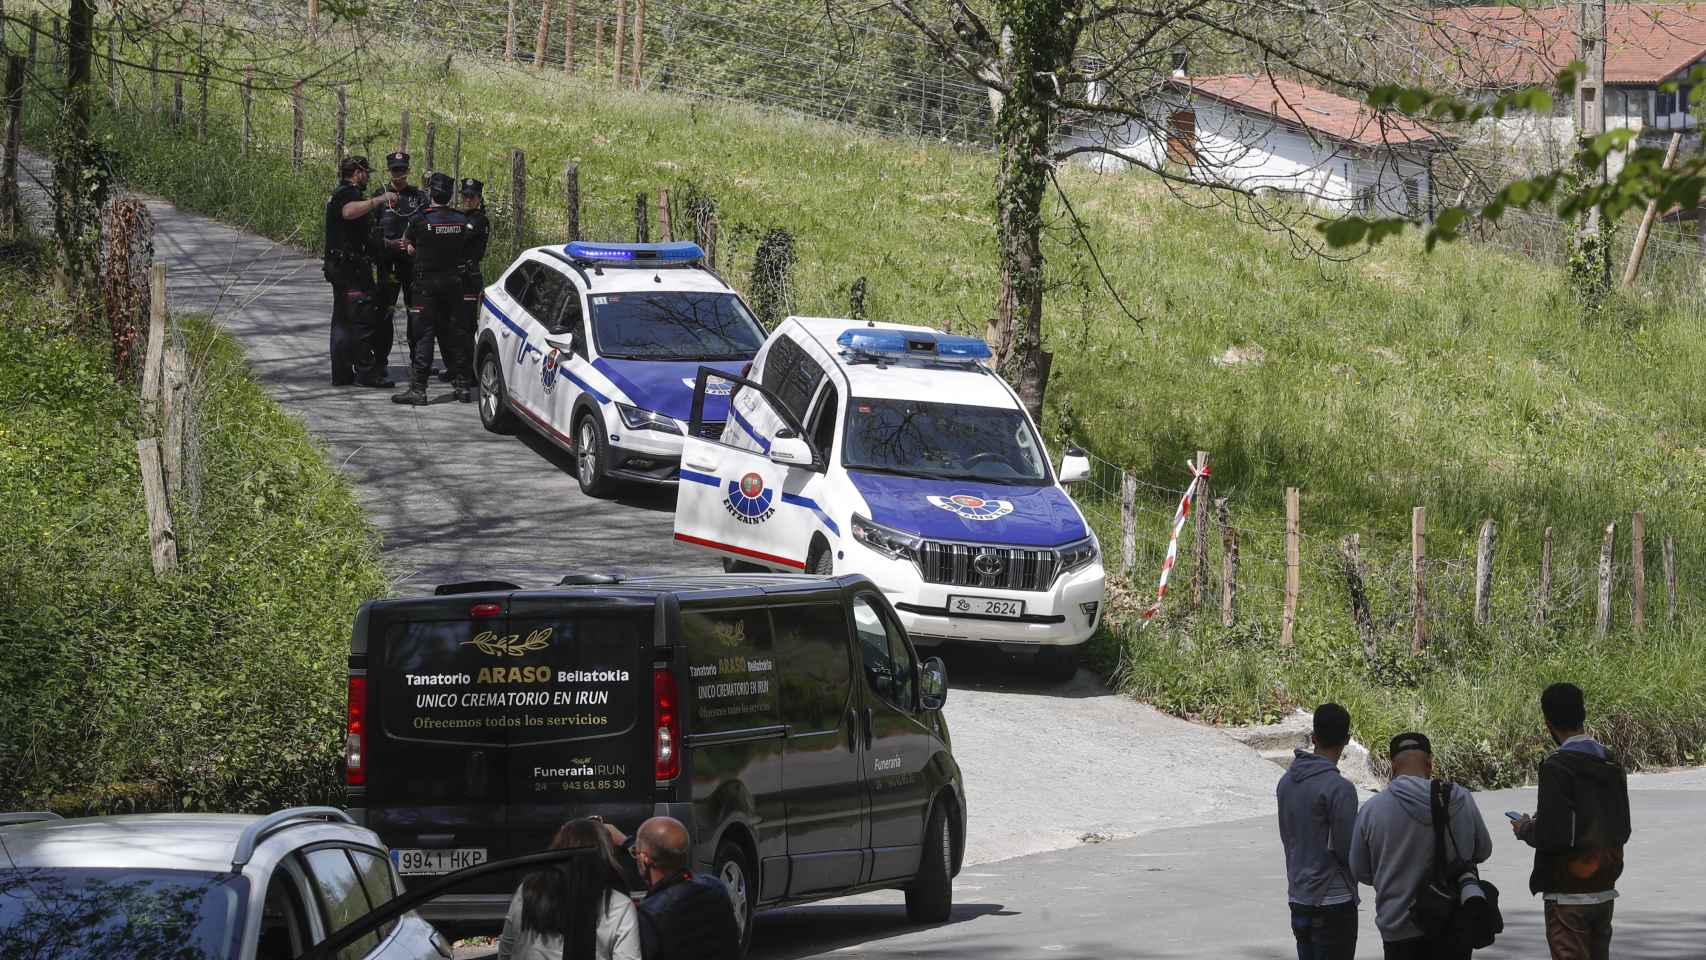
[(930, 898), (822, 562), (495, 414), (737, 875), (1058, 664), (590, 457)]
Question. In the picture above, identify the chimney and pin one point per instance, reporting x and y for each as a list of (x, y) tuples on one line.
[(1179, 58)]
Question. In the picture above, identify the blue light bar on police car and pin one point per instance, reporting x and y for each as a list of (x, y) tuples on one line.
[(878, 342), (680, 253)]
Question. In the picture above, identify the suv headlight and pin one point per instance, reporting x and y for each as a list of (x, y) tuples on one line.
[(891, 543), (638, 419), (1074, 556)]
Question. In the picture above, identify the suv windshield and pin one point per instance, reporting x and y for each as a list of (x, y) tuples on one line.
[(947, 440), (120, 914), (674, 325)]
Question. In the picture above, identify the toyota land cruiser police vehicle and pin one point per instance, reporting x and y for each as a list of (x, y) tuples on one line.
[(787, 721), (895, 452), (596, 346)]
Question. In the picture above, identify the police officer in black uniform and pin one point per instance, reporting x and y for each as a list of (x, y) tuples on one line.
[(437, 240), (396, 267), (349, 269), (473, 282)]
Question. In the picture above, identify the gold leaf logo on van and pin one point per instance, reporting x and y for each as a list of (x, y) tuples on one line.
[(492, 645), (730, 634)]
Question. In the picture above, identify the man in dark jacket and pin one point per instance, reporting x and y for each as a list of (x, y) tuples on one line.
[(1317, 815), (435, 241), (1578, 830), (685, 916)]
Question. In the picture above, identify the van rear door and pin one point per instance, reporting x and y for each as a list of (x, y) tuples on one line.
[(495, 719)]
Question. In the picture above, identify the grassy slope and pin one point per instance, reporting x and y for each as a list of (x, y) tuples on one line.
[(219, 688), (1463, 380)]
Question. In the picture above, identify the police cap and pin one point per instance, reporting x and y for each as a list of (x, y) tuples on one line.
[(440, 183), (471, 187), (397, 161)]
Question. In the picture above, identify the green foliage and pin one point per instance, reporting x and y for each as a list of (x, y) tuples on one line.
[(220, 688)]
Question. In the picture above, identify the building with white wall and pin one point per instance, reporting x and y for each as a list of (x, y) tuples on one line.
[(1261, 133)]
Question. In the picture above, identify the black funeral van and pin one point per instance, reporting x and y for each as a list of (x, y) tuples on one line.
[(785, 719)]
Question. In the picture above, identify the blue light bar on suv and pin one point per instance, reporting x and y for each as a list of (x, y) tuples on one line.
[(878, 342), (636, 254)]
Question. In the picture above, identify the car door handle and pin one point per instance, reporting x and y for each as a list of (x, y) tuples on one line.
[(870, 727), (852, 732)]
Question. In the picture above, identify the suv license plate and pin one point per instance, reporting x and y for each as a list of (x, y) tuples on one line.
[(986, 607), (416, 862)]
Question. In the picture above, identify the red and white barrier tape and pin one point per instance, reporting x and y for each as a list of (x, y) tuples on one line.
[(1173, 542)]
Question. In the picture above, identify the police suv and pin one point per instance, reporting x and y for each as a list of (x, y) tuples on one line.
[(895, 452), (596, 346)]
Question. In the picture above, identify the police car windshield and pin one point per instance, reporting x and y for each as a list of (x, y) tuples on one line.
[(674, 325), (949, 441)]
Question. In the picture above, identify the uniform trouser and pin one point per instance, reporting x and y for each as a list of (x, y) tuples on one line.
[(436, 313), (352, 321), (468, 320), (395, 269)]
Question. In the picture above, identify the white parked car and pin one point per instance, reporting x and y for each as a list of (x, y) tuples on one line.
[(895, 452), (596, 346)]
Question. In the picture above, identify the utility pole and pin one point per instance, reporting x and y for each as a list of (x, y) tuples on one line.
[(1590, 89)]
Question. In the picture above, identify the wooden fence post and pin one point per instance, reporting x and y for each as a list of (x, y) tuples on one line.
[(597, 44), (247, 93), (298, 125), (664, 233), (544, 38), (518, 197), (711, 240), (431, 142), (1228, 565), (1602, 616), (154, 355), (639, 39), (341, 122), (201, 107), (1293, 572), (1350, 555), (56, 46), (642, 231), (1418, 580), (509, 35), (572, 201), (1638, 571), (1128, 523), (174, 398), (1199, 580), (616, 47), (1670, 579), (112, 67), (403, 132), (178, 96), (569, 39), (313, 15), (1543, 602), (162, 541), (1484, 572), (456, 156), (9, 213), (1639, 250), (35, 28)]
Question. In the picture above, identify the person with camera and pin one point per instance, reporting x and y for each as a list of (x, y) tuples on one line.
[(348, 268)]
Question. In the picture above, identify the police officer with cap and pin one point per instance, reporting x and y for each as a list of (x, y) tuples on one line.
[(437, 240), (349, 269), (395, 265), (473, 283)]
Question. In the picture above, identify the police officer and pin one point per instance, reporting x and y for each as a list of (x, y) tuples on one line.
[(395, 265), (437, 241), (473, 283), (349, 269)]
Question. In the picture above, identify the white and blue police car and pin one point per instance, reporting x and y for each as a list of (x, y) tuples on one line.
[(597, 346), (896, 452)]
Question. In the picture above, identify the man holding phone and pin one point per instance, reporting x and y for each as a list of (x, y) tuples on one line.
[(1579, 827)]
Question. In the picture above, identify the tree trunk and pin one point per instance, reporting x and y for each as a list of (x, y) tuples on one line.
[(76, 217)]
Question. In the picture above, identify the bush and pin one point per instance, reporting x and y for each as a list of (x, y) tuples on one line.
[(219, 688)]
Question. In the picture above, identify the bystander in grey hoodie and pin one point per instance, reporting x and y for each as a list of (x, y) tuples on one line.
[(1393, 848), (1317, 814)]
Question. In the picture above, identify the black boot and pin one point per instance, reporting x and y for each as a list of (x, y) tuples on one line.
[(413, 396)]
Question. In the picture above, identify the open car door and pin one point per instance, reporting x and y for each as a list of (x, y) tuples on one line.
[(740, 493)]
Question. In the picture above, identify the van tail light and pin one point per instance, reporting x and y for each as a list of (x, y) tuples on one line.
[(666, 720), (486, 609), (355, 742)]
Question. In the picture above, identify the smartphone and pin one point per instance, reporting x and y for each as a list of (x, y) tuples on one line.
[(1513, 815)]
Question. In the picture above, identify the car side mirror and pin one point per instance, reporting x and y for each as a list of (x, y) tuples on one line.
[(789, 450), (564, 342), (933, 684), (1074, 466)]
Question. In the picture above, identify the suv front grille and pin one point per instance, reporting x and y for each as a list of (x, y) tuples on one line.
[(1012, 568)]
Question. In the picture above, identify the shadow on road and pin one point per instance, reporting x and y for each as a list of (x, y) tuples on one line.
[(986, 669), (660, 499), (793, 933)]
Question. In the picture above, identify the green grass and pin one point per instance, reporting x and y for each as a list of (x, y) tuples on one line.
[(1465, 381), (218, 688)]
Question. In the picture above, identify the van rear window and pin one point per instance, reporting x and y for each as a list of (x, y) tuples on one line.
[(506, 682)]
